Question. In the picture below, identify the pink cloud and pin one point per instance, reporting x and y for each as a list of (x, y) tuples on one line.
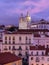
[(39, 6)]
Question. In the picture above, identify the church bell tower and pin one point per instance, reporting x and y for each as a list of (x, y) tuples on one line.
[(24, 21)]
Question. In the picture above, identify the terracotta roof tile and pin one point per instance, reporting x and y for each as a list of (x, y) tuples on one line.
[(8, 57)]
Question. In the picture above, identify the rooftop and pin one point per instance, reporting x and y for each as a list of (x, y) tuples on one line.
[(8, 57), (37, 47)]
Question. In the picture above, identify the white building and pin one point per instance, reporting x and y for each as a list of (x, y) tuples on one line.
[(42, 24), (17, 42), (38, 55)]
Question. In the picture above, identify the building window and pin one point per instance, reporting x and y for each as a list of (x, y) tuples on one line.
[(31, 58), (37, 59), (42, 53), (13, 48), (31, 53), (47, 46), (13, 38), (37, 53), (26, 53), (13, 41), (19, 38), (9, 38), (26, 39), (20, 48), (29, 41), (5, 38), (9, 47), (5, 42)]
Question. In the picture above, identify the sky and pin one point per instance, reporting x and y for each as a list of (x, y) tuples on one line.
[(10, 10)]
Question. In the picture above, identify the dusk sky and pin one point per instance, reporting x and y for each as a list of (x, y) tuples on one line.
[(10, 10)]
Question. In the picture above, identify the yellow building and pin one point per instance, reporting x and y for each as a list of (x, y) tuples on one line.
[(9, 59)]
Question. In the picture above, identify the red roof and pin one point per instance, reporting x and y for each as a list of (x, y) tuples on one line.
[(8, 57), (26, 31), (37, 47)]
